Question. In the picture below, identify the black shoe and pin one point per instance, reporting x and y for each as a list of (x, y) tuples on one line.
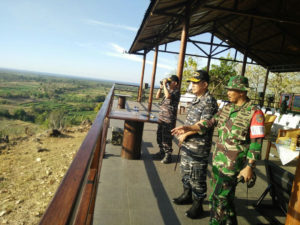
[(167, 159), (185, 198), (196, 210), (158, 155)]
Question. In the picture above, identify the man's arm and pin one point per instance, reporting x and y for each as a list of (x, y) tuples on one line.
[(256, 138)]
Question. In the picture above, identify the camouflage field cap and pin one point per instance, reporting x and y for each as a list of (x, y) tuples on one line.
[(239, 83)]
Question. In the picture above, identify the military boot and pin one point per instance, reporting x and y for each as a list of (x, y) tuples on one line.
[(167, 159), (196, 210), (185, 198)]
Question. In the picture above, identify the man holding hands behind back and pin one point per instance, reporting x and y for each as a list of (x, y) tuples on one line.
[(167, 117), (240, 127)]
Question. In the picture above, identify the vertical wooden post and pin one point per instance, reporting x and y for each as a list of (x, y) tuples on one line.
[(142, 78), (244, 64), (246, 51), (265, 87), (153, 79), (293, 214), (209, 57), (184, 36)]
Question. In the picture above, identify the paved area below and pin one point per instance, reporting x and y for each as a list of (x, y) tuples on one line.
[(140, 192)]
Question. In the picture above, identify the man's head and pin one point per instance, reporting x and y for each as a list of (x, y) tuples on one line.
[(200, 81), (237, 88), (173, 81), (286, 97)]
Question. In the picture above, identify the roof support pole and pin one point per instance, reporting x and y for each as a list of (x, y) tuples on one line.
[(246, 50), (142, 78), (183, 43), (153, 79), (244, 64), (293, 214), (210, 51), (265, 87)]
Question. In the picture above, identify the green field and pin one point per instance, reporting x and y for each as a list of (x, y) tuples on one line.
[(33, 100)]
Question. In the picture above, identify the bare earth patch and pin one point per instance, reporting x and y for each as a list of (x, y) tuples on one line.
[(30, 172)]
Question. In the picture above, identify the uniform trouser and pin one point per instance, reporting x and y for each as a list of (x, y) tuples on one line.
[(194, 171), (222, 199), (164, 137)]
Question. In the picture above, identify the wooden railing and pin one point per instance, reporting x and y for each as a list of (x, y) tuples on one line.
[(74, 200)]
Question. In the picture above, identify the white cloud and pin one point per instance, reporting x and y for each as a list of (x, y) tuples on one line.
[(118, 26), (120, 52)]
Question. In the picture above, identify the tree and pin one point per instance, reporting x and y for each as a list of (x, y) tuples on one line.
[(220, 74), (57, 119), (190, 66), (256, 76), (279, 83)]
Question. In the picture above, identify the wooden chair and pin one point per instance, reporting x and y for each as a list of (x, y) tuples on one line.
[(269, 120)]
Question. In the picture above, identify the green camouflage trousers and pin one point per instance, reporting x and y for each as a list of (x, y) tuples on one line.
[(222, 199)]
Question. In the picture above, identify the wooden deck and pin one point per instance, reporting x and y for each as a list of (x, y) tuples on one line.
[(140, 192)]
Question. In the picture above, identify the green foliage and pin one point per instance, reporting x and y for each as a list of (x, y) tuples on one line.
[(220, 74), (190, 66), (98, 107), (283, 83), (5, 113), (56, 119)]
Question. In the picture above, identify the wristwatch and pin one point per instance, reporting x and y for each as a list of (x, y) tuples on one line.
[(252, 165)]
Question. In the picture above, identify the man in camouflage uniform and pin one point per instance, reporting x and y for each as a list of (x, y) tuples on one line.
[(195, 148), (240, 127), (167, 117)]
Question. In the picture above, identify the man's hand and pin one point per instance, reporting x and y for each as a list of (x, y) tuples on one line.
[(165, 81), (247, 173), (182, 137), (179, 130)]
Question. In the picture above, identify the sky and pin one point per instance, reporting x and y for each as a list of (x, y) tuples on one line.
[(85, 38)]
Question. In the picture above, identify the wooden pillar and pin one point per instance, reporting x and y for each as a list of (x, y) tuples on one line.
[(184, 36), (244, 64), (153, 79), (142, 78), (210, 50), (132, 139), (246, 50), (293, 214), (265, 87)]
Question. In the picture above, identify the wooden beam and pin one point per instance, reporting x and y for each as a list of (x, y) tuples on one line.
[(265, 87), (184, 36), (142, 78), (153, 79), (254, 15)]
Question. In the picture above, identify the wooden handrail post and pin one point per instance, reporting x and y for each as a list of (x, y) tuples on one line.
[(153, 79), (142, 78)]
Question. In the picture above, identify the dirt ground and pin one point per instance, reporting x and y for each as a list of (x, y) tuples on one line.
[(31, 169)]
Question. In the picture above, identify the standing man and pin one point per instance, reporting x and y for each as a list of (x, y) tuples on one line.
[(195, 148), (240, 127), (284, 105), (167, 117)]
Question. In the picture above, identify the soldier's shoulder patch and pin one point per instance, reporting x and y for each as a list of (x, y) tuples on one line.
[(259, 118)]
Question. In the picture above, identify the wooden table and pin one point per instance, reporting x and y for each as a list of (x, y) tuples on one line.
[(122, 100), (133, 131)]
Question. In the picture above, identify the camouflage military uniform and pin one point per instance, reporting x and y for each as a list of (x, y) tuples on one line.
[(196, 148), (167, 117), (233, 147)]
